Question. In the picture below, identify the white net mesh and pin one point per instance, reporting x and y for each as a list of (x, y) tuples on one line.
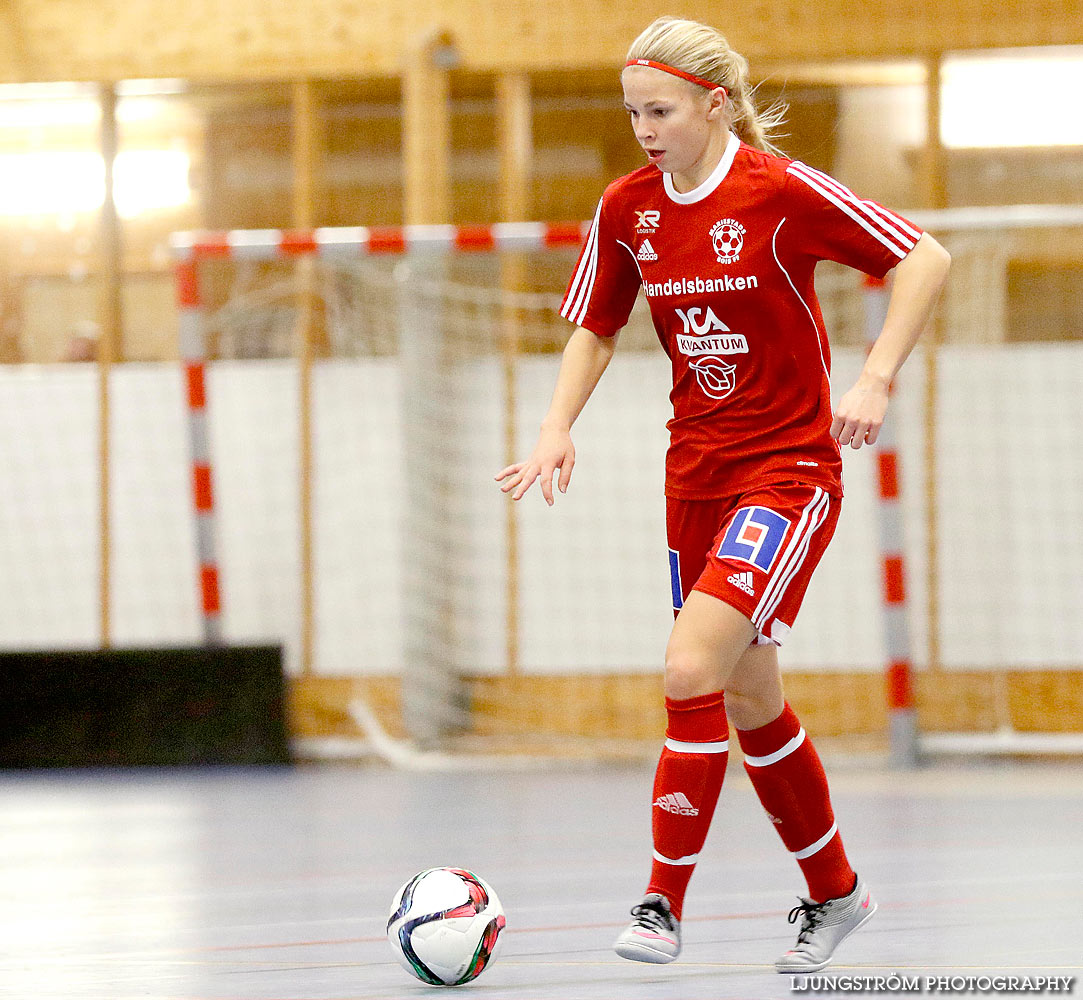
[(552, 623), (450, 612)]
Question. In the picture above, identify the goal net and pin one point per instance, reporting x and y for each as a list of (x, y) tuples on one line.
[(442, 616)]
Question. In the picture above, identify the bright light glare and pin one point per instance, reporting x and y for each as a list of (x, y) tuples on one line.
[(150, 179), (1012, 99), (37, 114), (40, 105), (58, 183)]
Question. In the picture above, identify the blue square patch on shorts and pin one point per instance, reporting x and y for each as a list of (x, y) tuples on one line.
[(754, 535)]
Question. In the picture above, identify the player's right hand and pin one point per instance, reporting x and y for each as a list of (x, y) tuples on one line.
[(553, 451)]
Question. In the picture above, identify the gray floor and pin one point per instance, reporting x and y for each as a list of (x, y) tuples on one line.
[(209, 885)]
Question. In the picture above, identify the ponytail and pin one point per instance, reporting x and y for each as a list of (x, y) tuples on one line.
[(703, 52)]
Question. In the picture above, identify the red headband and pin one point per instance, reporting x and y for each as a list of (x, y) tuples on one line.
[(676, 72)]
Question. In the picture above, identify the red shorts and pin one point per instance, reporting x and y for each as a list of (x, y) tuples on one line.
[(755, 551)]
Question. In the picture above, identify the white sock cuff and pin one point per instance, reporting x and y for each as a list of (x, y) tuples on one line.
[(774, 758), (688, 859), (680, 746), (819, 845)]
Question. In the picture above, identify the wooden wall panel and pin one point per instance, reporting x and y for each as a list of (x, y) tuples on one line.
[(578, 147), (627, 708), (253, 39)]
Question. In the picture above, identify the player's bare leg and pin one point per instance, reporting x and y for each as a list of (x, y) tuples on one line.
[(754, 688), (709, 638)]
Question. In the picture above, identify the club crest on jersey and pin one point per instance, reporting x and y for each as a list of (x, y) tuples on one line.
[(717, 378), (754, 536), (647, 221), (728, 239)]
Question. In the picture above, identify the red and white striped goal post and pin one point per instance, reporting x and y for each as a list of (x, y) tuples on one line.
[(189, 249), (899, 668), (194, 357)]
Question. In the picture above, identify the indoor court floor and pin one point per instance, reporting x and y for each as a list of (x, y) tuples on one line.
[(274, 884)]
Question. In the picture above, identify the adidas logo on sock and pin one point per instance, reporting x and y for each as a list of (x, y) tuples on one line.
[(646, 251), (676, 802), (742, 581)]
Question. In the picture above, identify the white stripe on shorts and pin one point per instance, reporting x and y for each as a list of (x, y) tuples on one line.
[(774, 758), (784, 579), (812, 517), (819, 845), (680, 747)]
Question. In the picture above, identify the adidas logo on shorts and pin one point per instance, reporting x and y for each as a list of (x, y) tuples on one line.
[(676, 802), (742, 581)]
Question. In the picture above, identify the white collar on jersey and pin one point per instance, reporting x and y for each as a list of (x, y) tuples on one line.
[(718, 175)]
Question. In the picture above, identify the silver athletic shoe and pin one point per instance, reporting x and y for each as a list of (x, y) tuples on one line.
[(654, 935), (823, 928)]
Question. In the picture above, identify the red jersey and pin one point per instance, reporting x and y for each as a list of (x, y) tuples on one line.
[(727, 270)]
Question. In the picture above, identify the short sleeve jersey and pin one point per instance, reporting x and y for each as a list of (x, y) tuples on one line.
[(727, 270)]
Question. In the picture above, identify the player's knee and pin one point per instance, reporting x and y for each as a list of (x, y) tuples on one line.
[(688, 675), (752, 706)]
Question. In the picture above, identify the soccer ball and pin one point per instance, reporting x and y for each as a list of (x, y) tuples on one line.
[(444, 926)]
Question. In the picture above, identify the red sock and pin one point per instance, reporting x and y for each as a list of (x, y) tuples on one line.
[(686, 787), (790, 781)]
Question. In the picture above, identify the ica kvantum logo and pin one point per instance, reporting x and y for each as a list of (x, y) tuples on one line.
[(717, 378)]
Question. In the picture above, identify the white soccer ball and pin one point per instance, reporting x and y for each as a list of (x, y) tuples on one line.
[(444, 926)]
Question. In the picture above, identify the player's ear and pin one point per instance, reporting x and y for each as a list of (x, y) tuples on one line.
[(718, 102)]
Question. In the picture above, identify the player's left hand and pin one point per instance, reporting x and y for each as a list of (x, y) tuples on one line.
[(860, 413)]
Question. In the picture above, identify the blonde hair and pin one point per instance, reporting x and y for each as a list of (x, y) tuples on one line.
[(703, 51)]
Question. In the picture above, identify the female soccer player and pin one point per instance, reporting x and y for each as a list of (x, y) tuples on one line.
[(723, 234)]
